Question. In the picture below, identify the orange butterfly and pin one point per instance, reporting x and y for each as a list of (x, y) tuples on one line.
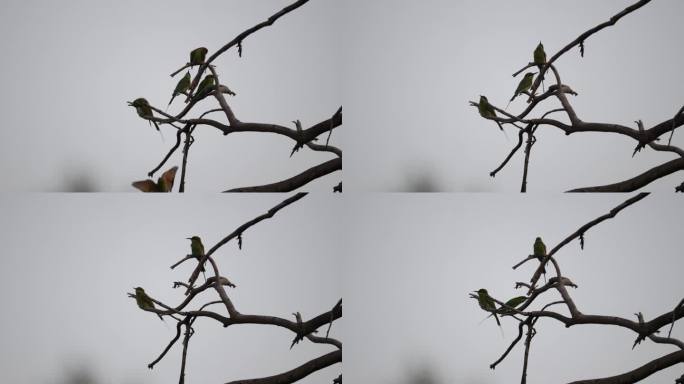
[(164, 184)]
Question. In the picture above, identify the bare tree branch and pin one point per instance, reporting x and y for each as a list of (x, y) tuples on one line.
[(582, 230), (238, 232), (639, 181), (296, 181), (298, 373), (301, 328), (526, 318), (302, 137), (560, 90), (640, 373)]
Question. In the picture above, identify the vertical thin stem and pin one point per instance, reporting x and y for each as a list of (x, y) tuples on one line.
[(528, 149), (186, 149)]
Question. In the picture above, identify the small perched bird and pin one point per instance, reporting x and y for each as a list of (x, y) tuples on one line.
[(197, 248), (197, 56), (539, 55), (486, 110), (540, 251), (163, 184), (144, 301), (512, 303), (142, 107), (524, 85), (487, 303), (507, 308), (539, 248), (300, 329), (182, 86), (205, 86), (539, 58)]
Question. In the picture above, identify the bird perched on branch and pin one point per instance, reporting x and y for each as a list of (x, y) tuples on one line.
[(524, 85), (205, 86), (144, 301), (197, 56), (300, 329), (512, 304), (142, 107), (539, 55), (486, 110), (539, 250), (507, 308), (197, 249), (487, 303), (182, 86)]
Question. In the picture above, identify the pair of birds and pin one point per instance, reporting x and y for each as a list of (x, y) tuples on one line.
[(144, 301), (488, 304), (205, 86), (197, 57), (487, 110)]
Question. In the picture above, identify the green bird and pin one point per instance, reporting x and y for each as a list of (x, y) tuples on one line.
[(182, 86), (142, 107), (512, 303), (197, 56), (206, 85), (486, 110), (540, 251), (539, 248), (539, 55), (487, 303), (524, 85), (144, 301), (197, 248), (505, 310)]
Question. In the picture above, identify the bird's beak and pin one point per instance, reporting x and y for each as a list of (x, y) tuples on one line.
[(189, 238)]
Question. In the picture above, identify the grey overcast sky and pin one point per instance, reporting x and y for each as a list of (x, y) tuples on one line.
[(69, 260), (415, 258), (71, 66), (410, 68)]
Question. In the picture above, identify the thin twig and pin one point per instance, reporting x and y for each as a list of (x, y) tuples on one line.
[(297, 181), (583, 229), (271, 212)]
